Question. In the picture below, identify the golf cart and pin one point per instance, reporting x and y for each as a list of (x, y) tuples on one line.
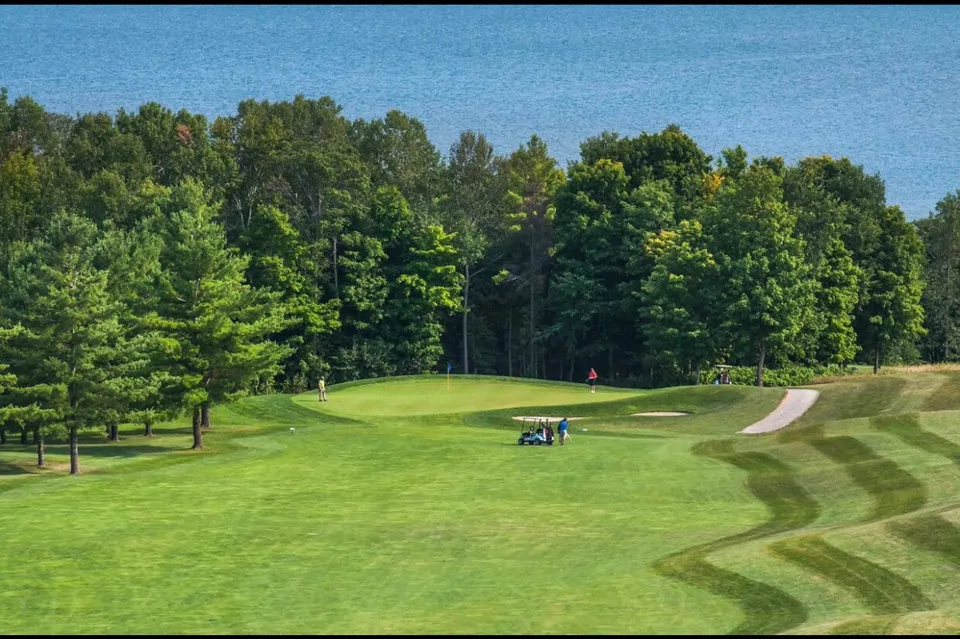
[(723, 374), (538, 433)]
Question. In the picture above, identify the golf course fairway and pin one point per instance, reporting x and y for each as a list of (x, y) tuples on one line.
[(405, 506)]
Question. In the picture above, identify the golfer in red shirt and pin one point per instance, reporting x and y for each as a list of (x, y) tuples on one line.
[(592, 380)]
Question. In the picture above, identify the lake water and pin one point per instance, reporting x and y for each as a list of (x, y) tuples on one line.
[(878, 84)]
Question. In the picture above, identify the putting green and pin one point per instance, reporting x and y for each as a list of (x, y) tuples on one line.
[(406, 507), (433, 395)]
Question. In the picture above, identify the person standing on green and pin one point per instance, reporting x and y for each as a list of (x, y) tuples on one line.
[(562, 430), (322, 389)]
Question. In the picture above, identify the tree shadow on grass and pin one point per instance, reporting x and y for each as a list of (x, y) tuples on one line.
[(111, 450), (9, 468)]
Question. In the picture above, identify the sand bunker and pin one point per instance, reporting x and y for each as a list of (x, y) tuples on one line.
[(662, 413), (520, 418)]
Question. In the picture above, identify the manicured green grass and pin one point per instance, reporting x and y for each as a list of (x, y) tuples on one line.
[(406, 506)]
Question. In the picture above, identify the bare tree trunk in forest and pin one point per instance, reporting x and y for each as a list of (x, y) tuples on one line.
[(114, 429), (23, 435), (197, 434), (205, 416), (3, 435), (148, 428), (763, 354), (74, 451), (510, 343), (876, 359), (466, 304), (40, 451)]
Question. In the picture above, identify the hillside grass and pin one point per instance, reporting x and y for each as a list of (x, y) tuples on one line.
[(406, 506)]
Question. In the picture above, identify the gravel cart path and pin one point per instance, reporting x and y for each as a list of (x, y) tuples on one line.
[(794, 404)]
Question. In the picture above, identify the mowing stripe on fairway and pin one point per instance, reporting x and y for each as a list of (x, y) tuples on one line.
[(894, 490), (946, 396), (880, 590), (931, 533), (908, 429), (766, 608), (880, 625)]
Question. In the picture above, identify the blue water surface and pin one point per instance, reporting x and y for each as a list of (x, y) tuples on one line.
[(879, 84)]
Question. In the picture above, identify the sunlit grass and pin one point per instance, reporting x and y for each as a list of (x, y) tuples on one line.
[(405, 506)]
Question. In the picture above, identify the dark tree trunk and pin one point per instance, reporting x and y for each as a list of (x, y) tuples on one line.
[(148, 428), (466, 303), (763, 354), (74, 452), (876, 360), (3, 435), (40, 451), (205, 416), (23, 435), (698, 374), (114, 432), (197, 433)]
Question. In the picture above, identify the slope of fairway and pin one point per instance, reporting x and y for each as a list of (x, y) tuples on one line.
[(405, 506)]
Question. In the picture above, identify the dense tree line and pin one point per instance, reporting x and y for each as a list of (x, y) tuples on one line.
[(154, 263)]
